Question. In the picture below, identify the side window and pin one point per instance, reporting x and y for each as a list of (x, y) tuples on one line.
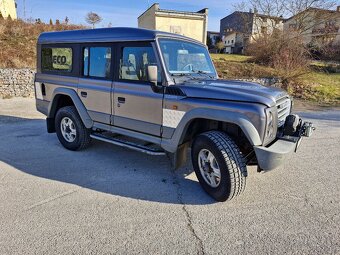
[(97, 62), (134, 62), (56, 59)]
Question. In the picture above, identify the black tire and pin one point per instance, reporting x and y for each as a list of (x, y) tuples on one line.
[(82, 138), (233, 170)]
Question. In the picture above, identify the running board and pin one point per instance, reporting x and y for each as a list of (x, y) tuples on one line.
[(129, 145)]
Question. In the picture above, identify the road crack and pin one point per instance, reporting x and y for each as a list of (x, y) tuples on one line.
[(53, 198), (62, 195), (188, 216)]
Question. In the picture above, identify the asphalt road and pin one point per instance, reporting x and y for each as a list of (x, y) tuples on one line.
[(109, 200)]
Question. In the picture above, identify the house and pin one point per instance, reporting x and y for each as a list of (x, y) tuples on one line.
[(241, 28), (8, 9), (214, 37), (233, 42), (190, 24), (317, 26)]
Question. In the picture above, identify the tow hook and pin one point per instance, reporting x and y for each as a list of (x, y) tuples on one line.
[(307, 129)]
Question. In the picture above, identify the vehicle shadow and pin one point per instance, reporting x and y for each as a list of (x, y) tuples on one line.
[(328, 115), (26, 146)]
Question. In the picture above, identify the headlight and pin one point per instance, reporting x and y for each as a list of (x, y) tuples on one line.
[(271, 125)]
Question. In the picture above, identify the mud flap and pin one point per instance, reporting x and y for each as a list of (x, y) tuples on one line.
[(179, 158)]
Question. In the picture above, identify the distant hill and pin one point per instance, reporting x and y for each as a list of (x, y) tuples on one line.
[(18, 41)]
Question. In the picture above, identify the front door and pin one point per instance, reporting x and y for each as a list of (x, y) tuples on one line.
[(95, 84), (136, 105)]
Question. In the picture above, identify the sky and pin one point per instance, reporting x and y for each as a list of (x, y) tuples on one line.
[(118, 13)]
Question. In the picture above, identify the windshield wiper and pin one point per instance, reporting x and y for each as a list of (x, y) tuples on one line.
[(203, 73), (180, 74)]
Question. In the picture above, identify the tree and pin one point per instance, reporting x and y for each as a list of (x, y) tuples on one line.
[(57, 22), (51, 22), (93, 18), (288, 8), (209, 42), (220, 46), (66, 20)]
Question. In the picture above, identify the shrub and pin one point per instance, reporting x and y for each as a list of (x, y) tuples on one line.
[(287, 55), (18, 41)]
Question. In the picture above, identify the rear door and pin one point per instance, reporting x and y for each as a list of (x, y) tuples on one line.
[(137, 106), (95, 83)]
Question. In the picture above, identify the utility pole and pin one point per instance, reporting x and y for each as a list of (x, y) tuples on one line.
[(24, 2)]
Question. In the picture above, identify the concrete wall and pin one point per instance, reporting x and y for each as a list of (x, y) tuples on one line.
[(190, 24), (147, 19), (184, 26), (16, 83), (7, 8)]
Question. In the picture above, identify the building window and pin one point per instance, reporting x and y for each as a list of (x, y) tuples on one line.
[(176, 29), (134, 62), (56, 59), (232, 41), (97, 62)]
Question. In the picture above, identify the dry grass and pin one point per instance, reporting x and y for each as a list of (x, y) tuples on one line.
[(18, 40), (314, 85), (18, 50)]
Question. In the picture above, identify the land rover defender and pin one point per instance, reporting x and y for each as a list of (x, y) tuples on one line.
[(159, 93)]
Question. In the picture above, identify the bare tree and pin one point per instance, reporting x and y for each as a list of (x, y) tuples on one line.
[(219, 46), (307, 13), (93, 18)]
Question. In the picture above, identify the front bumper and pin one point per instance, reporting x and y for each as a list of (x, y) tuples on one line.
[(271, 157)]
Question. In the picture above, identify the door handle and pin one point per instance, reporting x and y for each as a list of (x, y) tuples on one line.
[(83, 94), (121, 100)]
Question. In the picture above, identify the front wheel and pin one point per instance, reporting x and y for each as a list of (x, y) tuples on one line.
[(70, 129), (219, 165)]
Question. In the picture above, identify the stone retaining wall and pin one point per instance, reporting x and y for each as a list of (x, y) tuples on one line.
[(20, 82), (16, 82)]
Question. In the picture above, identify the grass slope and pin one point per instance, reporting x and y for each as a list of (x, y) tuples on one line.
[(315, 85), (18, 41)]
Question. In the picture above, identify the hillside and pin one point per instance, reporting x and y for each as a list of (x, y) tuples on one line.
[(18, 41), (320, 83), (18, 50)]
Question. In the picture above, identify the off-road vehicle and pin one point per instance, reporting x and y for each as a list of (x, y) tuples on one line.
[(159, 93)]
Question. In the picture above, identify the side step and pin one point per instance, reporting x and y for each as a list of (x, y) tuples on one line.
[(130, 145)]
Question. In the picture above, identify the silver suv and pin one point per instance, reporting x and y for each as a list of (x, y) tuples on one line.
[(159, 93)]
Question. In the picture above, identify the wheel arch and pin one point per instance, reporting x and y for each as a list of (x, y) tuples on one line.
[(201, 120), (65, 97), (199, 116)]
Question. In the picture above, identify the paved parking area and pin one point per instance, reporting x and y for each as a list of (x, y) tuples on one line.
[(109, 200)]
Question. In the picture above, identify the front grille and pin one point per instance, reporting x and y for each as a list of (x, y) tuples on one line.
[(283, 105)]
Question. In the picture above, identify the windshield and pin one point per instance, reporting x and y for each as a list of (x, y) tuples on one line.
[(185, 58)]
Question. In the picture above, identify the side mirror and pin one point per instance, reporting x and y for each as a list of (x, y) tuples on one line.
[(153, 74)]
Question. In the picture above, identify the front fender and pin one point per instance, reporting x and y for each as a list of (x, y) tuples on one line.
[(238, 119), (85, 117)]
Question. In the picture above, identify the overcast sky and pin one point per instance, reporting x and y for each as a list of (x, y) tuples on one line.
[(118, 13)]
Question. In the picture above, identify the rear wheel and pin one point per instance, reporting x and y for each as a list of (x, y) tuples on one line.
[(219, 165), (71, 132)]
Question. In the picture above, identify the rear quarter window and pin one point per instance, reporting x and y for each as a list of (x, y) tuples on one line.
[(56, 59)]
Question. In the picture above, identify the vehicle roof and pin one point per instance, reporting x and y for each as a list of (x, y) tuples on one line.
[(115, 34)]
